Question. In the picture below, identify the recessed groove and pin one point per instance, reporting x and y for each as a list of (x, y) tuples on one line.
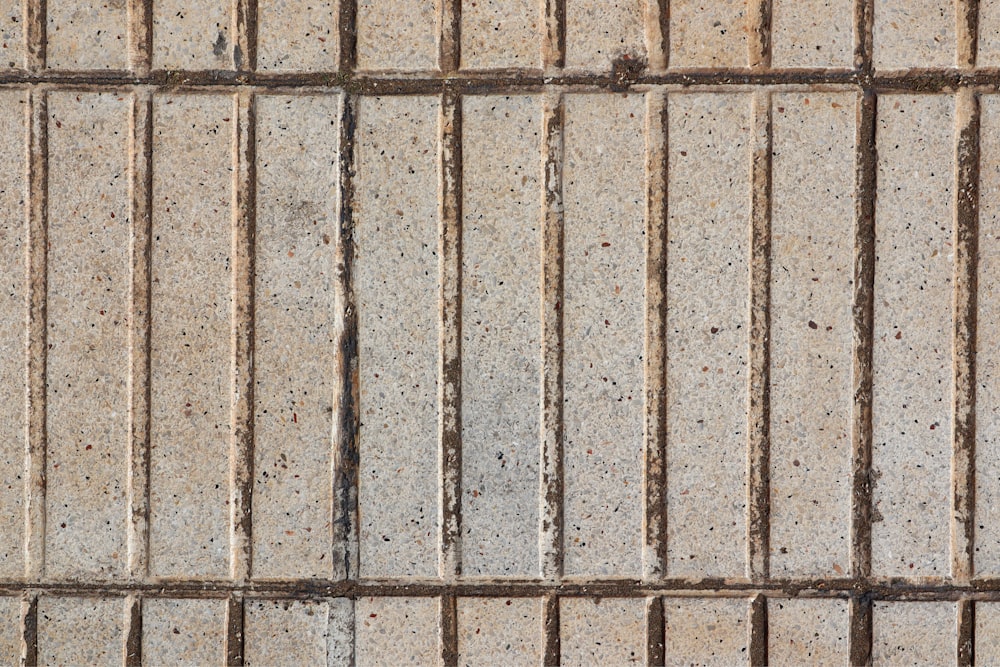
[(235, 636), (655, 633), (550, 626), (759, 32), (758, 631), (449, 630), (133, 632), (555, 34), (29, 629), (861, 638), (967, 32), (966, 633)]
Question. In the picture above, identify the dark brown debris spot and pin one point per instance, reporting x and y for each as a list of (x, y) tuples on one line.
[(625, 71)]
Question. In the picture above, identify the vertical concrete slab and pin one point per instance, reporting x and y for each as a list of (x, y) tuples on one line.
[(398, 34), (289, 632), (89, 281), (812, 273), (911, 421), (710, 631), (11, 34), (86, 34), (501, 334), (812, 33), (599, 32), (298, 35), (183, 632), (606, 631), (397, 631), (501, 33), (987, 554), (397, 286), (603, 329), (10, 630), (807, 632), (921, 633), (193, 37), (708, 34), (987, 648), (914, 33), (708, 250), (989, 33), (13, 325), (294, 348), (191, 331), (81, 631), (500, 631)]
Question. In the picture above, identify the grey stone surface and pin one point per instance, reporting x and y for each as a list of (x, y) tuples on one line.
[(914, 33), (501, 33), (812, 33), (708, 34), (500, 630), (193, 37), (291, 632), (297, 35), (706, 632), (183, 632), (81, 631), (87, 34), (914, 633), (398, 34), (398, 631), (606, 631), (808, 632), (598, 33)]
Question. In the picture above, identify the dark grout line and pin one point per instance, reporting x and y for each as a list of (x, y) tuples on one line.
[(552, 655), (551, 468), (968, 32), (758, 632), (36, 344), (555, 34), (450, 383), (966, 239), (241, 460), (655, 459), (235, 636), (861, 635), (966, 645), (35, 34), (450, 51), (864, 35), (140, 339), (664, 16), (449, 630), (348, 30), (133, 633), (140, 35), (759, 450), (245, 47), (656, 645), (759, 31), (345, 398), (29, 630)]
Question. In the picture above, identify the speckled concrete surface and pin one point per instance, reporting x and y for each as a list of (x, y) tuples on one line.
[(476, 332)]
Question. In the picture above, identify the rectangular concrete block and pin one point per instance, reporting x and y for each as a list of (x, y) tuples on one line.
[(908, 633), (189, 37), (295, 348), (397, 631), (398, 287), (191, 357), (599, 32), (298, 35), (807, 632), (289, 632), (987, 554), (608, 631), (603, 329), (500, 631), (708, 233), (914, 33), (13, 328), (183, 632), (11, 34), (10, 630), (706, 632), (812, 33), (398, 34), (501, 332), (86, 34), (81, 631), (912, 354), (987, 648), (812, 277), (502, 33), (989, 34), (89, 314), (709, 34)]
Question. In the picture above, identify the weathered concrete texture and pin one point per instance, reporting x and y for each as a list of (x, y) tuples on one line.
[(13, 311), (812, 33), (189, 37), (288, 632), (396, 274), (88, 34), (81, 631), (707, 341), (10, 630), (11, 34), (294, 346), (501, 329), (706, 632), (89, 315), (989, 33), (183, 632), (603, 333), (191, 334), (987, 649), (607, 631), (914, 33), (807, 632), (811, 332), (708, 34), (600, 32), (397, 631), (914, 633), (398, 34), (912, 336), (297, 35), (499, 630), (501, 33)]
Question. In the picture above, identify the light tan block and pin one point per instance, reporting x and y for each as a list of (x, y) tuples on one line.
[(398, 34), (708, 33), (183, 632), (86, 34), (298, 35), (606, 631), (81, 631), (195, 37), (807, 632), (397, 631), (500, 630), (600, 32), (502, 33), (706, 632), (812, 33), (914, 633), (914, 33)]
